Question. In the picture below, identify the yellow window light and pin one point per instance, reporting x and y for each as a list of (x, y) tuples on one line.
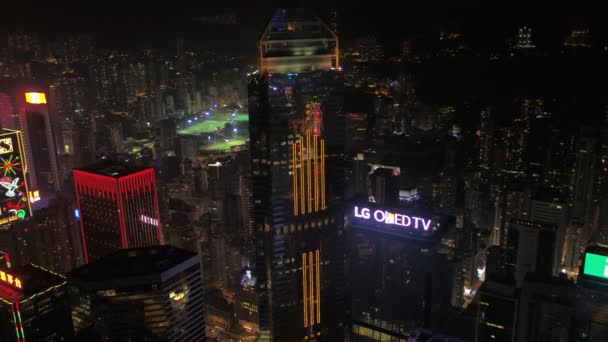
[(35, 98)]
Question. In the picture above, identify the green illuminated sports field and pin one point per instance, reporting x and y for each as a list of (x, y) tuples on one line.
[(199, 127), (223, 146), (211, 124), (217, 120)]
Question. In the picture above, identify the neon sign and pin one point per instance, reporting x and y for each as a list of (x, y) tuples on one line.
[(34, 196), (10, 279), (387, 217), (15, 198), (149, 220), (6, 146)]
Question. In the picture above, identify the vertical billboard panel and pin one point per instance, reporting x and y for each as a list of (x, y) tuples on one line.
[(14, 203)]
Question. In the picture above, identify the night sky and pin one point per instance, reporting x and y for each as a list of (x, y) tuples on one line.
[(156, 26)]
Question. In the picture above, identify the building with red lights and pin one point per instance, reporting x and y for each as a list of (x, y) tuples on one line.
[(34, 305), (118, 207)]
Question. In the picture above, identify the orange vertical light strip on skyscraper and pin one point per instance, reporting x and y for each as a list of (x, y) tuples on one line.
[(308, 170), (304, 290), (302, 201), (311, 288), (318, 257), (295, 179), (316, 168), (322, 174)]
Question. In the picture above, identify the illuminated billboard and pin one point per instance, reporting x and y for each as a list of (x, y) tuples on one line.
[(393, 221), (596, 265), (9, 279), (34, 196), (35, 98), (14, 203)]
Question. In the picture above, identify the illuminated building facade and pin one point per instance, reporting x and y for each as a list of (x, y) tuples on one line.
[(151, 293), (395, 264), (24, 108), (41, 147), (118, 207), (524, 38), (14, 202), (357, 129), (246, 301), (34, 305), (592, 300), (297, 150)]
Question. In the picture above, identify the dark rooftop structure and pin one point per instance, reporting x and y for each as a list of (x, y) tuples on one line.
[(32, 279), (132, 266), (112, 169)]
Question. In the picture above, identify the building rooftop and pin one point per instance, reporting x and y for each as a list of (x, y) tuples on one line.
[(534, 224), (112, 169), (132, 264), (296, 23), (31, 279), (296, 40)]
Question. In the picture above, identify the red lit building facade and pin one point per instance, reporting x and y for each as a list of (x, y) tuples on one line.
[(118, 208)]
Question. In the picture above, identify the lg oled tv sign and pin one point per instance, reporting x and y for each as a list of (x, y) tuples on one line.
[(391, 221)]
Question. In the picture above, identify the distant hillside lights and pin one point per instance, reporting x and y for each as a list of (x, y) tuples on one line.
[(387, 217)]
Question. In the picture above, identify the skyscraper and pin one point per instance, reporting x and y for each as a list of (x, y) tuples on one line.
[(384, 183), (546, 309), (118, 208), (395, 264), (523, 39), (297, 143), (51, 238), (33, 305), (155, 295), (486, 138), (498, 300), (24, 107), (532, 249), (41, 148)]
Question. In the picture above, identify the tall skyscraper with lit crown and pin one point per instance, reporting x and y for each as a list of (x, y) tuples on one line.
[(297, 150)]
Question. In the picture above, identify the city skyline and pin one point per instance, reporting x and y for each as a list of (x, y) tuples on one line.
[(304, 171)]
